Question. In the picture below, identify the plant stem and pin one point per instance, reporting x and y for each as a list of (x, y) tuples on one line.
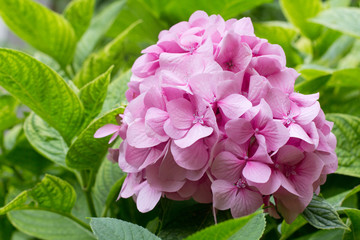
[(87, 190)]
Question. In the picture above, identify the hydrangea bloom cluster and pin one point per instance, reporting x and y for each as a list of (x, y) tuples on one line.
[(213, 116)]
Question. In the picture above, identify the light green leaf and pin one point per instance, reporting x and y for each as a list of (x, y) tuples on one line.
[(45, 139), (288, 229), (7, 112), (347, 131), (322, 215), (79, 14), (280, 33), (115, 96), (338, 200), (99, 25), (48, 225), (93, 95), (345, 78), (313, 85), (108, 175), (312, 71), (51, 194), (250, 227), (44, 29), (234, 8), (87, 152), (339, 3), (114, 229), (298, 12), (354, 215), (42, 90), (352, 59), (346, 20), (99, 62)]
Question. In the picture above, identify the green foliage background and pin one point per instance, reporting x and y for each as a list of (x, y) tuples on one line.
[(71, 78)]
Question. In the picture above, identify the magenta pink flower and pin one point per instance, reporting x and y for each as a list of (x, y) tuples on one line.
[(213, 116)]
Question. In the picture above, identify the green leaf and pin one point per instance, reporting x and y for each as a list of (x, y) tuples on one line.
[(345, 78), (352, 59), (339, 3), (312, 86), (98, 27), (7, 112), (233, 8), (288, 229), (347, 131), (87, 152), (48, 225), (79, 14), (45, 139), (322, 215), (47, 31), (51, 194), (312, 71), (282, 34), (93, 95), (114, 229), (298, 12), (345, 20), (115, 96), (99, 62), (250, 227), (108, 175), (42, 90), (338, 200), (354, 215)]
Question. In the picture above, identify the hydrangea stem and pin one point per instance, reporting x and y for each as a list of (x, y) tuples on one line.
[(88, 182)]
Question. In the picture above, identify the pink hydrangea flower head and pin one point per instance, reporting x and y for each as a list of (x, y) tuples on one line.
[(213, 116)]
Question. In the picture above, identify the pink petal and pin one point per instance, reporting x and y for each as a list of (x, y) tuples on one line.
[(266, 65), (271, 186), (279, 103), (263, 116), (276, 135), (227, 166), (106, 130), (180, 113), (173, 132), (224, 194), (246, 202), (239, 130), (137, 137), (243, 27), (234, 105), (304, 100), (308, 114), (147, 198), (284, 80), (258, 88), (195, 133), (155, 120), (257, 172), (194, 157), (296, 131), (289, 155), (161, 182)]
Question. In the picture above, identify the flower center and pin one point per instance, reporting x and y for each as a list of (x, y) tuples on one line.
[(240, 183), (288, 120), (229, 65), (198, 119), (290, 171)]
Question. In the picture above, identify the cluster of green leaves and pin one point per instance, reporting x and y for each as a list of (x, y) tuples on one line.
[(55, 183)]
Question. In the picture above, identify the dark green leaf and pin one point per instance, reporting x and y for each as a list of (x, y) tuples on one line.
[(115, 229), (354, 216), (41, 89), (87, 152), (93, 95), (322, 215), (47, 31), (79, 14)]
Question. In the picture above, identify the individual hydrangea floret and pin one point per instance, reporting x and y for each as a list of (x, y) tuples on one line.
[(213, 116)]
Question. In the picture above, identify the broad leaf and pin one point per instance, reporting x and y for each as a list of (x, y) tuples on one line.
[(93, 95), (338, 200), (51, 194), (45, 139), (79, 14), (98, 27), (108, 175), (113, 229), (288, 229), (354, 216), (42, 90), (346, 20), (312, 71), (250, 227), (87, 152), (47, 31), (347, 131), (7, 112), (312, 86), (48, 225), (99, 62), (322, 215), (345, 78), (299, 11), (282, 34), (115, 96)]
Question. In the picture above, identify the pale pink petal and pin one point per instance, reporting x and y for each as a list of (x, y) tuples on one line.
[(304, 100), (284, 80), (289, 155), (173, 132), (195, 133), (161, 182), (147, 198), (279, 103), (256, 172), (258, 88), (180, 113), (137, 137), (194, 157), (239, 130), (276, 135), (234, 105), (106, 130), (224, 194), (271, 186), (308, 114), (243, 27), (227, 166), (296, 131), (263, 116), (154, 120), (246, 202)]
